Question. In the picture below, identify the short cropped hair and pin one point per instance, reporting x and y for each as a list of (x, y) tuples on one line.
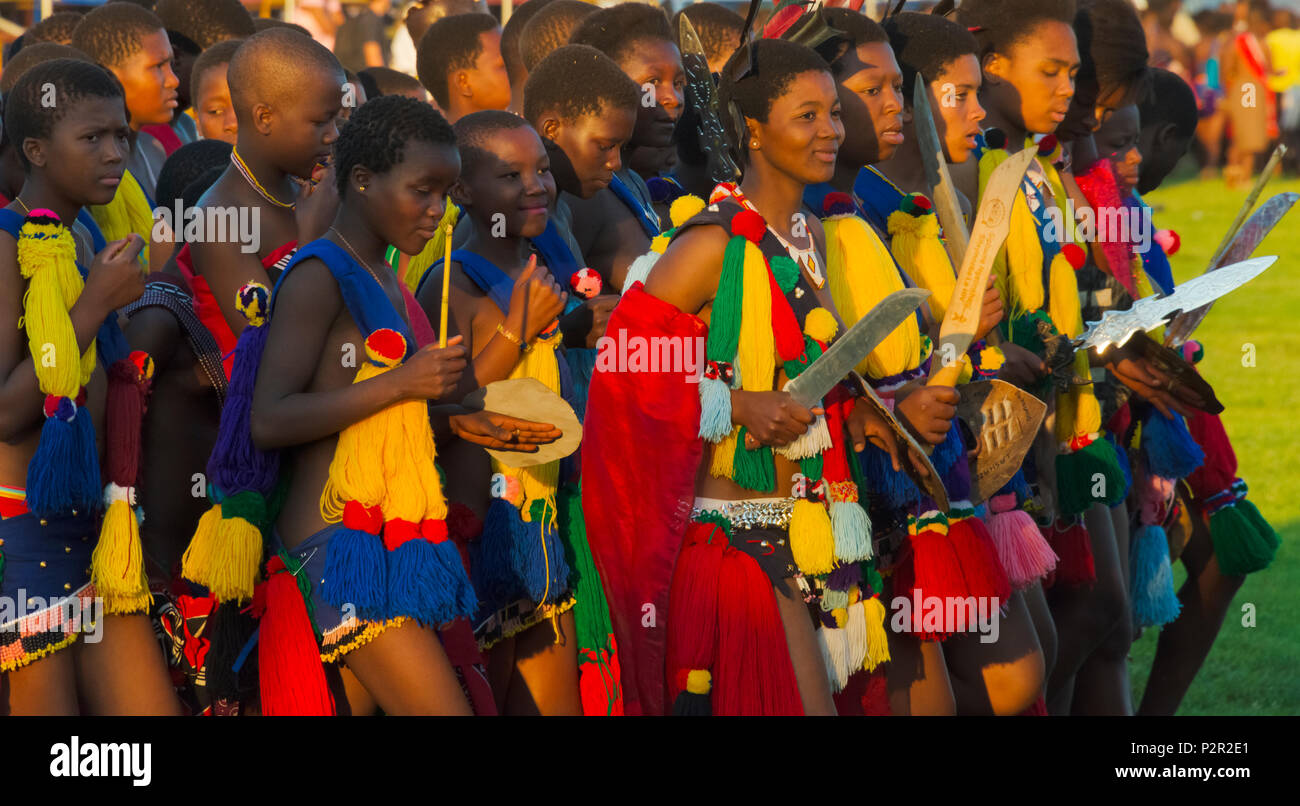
[(577, 80), (450, 44)]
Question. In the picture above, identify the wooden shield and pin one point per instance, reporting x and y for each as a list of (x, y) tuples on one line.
[(1005, 419)]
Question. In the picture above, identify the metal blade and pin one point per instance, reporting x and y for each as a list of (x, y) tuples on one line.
[(992, 223), (1243, 245), (848, 350), (942, 190), (1117, 327), (703, 98)]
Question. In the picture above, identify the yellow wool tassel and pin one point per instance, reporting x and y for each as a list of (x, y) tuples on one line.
[(1064, 305), (126, 588), (1087, 413), (722, 465), (1024, 260), (811, 542), (684, 208), (756, 354), (860, 273), (47, 259), (539, 482), (916, 245), (699, 681), (433, 251), (820, 325), (877, 641), (200, 558), (1066, 408), (1146, 289), (414, 490), (357, 471), (128, 212)]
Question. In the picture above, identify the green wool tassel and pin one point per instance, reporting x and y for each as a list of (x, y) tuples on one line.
[(756, 469), (786, 272), (1239, 546), (724, 320), (1262, 526), (1090, 475)]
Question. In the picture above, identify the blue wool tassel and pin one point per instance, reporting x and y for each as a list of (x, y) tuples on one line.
[(947, 451), (63, 474), (851, 529), (1125, 464), (715, 409), (494, 577), (355, 570), (427, 582), (896, 487), (834, 600), (529, 562), (1154, 601), (1169, 449), (582, 363), (538, 559)]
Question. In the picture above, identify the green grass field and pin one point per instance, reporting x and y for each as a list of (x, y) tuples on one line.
[(1250, 670)]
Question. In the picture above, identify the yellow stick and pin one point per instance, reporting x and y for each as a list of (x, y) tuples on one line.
[(446, 286)]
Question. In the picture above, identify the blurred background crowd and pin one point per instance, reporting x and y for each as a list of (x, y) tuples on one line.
[(1242, 58)]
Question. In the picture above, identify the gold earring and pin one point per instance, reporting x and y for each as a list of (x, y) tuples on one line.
[(362, 188), (753, 145)]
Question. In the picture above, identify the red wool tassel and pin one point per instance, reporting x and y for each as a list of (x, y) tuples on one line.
[(1073, 547), (126, 405), (979, 560), (785, 328), (693, 607), (1219, 470), (875, 701), (292, 678), (835, 461), (1039, 708), (754, 675), (936, 570)]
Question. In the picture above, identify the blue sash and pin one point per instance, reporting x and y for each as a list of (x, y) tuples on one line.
[(1155, 262), (647, 218), (367, 301), (110, 342), (556, 253)]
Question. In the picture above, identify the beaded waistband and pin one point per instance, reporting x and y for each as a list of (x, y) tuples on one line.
[(747, 514)]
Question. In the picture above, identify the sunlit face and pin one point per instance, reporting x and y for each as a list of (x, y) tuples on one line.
[(1117, 140), (212, 107), (306, 125), (871, 95), (954, 96), (591, 146), (405, 204), (804, 129), (513, 180), (1031, 85), (148, 81), (488, 81)]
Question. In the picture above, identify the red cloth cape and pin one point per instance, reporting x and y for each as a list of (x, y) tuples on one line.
[(640, 453)]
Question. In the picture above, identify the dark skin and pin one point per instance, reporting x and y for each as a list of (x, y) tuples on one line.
[(483, 86), (149, 81), (79, 164), (279, 138), (589, 147), (656, 67), (301, 406), (795, 147), (531, 673), (869, 89), (179, 430)]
